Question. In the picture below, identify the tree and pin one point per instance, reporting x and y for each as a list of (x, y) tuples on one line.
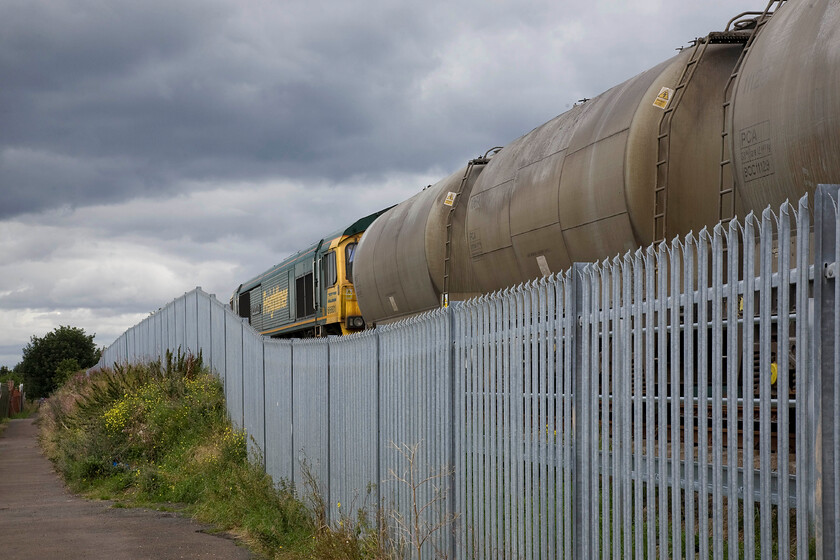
[(46, 359), (65, 370)]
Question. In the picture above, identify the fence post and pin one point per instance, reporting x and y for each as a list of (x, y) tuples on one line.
[(826, 270), (328, 470), (292, 413), (575, 342), (378, 445), (242, 322), (450, 371), (264, 405)]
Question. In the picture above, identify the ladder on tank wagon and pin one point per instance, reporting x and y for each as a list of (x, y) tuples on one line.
[(727, 195), (729, 36), (452, 202), (663, 140)]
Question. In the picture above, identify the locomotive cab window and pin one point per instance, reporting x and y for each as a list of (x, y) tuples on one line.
[(349, 254), (328, 269)]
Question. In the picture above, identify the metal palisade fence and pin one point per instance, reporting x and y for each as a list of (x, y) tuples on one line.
[(677, 401)]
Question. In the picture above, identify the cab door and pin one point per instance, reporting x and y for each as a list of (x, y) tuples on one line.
[(329, 283)]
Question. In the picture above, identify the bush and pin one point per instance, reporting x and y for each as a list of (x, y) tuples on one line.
[(159, 434)]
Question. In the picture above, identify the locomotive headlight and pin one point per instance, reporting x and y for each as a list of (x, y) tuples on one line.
[(355, 322)]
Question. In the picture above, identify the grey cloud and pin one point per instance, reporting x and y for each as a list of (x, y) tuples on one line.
[(124, 100), (10, 354)]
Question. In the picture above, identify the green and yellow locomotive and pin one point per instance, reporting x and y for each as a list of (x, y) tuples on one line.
[(310, 293)]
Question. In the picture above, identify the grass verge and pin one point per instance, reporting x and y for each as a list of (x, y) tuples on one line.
[(158, 435)]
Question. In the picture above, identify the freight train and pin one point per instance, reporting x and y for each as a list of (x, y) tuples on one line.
[(743, 118)]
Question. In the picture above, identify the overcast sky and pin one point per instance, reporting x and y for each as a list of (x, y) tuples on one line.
[(150, 147)]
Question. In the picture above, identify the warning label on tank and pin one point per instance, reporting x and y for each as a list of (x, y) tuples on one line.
[(450, 198), (756, 153), (664, 97)]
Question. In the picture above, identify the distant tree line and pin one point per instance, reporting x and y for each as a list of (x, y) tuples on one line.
[(49, 360)]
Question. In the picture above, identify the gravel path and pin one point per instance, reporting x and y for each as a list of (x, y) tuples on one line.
[(40, 519)]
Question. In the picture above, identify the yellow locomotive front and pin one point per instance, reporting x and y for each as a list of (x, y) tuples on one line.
[(341, 309)]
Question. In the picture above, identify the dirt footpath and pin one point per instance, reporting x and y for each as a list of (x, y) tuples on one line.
[(40, 519)]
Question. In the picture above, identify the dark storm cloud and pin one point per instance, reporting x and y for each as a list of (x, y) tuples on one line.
[(107, 101)]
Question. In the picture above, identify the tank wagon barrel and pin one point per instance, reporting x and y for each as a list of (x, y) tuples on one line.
[(744, 118)]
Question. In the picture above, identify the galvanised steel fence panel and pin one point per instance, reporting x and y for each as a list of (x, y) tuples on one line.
[(141, 340), (279, 447), (218, 338), (310, 416), (157, 333), (234, 331), (135, 342), (180, 344), (151, 338), (689, 404), (171, 336), (138, 351), (164, 330), (106, 356), (204, 327), (109, 355), (141, 337), (130, 343), (509, 363), (354, 434), (415, 429), (122, 348), (145, 339), (468, 454), (119, 350), (130, 346), (191, 322), (120, 353), (253, 398)]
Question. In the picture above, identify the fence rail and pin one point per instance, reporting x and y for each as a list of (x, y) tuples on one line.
[(677, 401)]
